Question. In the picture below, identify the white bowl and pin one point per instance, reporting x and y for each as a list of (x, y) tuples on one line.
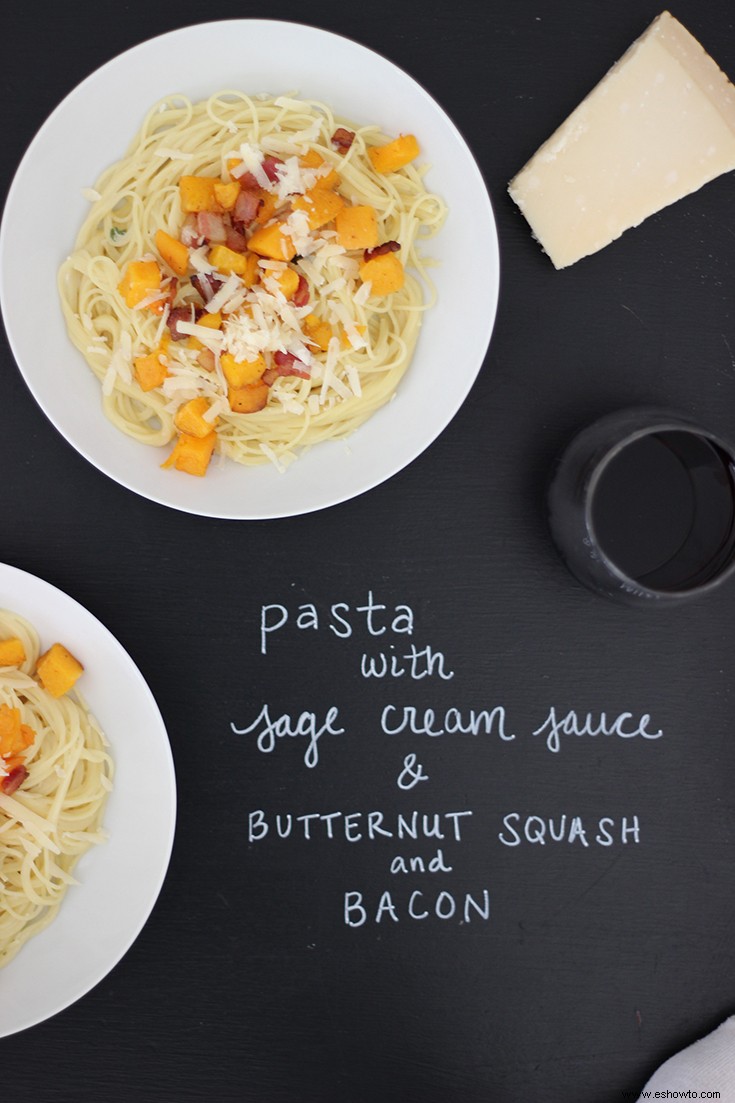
[(119, 880), (91, 129)]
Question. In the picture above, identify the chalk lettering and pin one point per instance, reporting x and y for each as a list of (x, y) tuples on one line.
[(624, 725), (355, 827), (395, 720), (274, 616), (417, 864), (538, 830), (418, 663), (306, 725), (444, 906)]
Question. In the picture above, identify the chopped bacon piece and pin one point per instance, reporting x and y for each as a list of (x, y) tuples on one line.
[(247, 205), (379, 250), (343, 138), (300, 296), (245, 179), (212, 227), (14, 780), (235, 240), (285, 363), (207, 284), (205, 360), (182, 314), (270, 168), (190, 236), (269, 376)]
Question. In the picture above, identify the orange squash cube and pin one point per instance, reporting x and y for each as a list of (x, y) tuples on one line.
[(189, 418), (149, 371), (394, 155), (272, 242), (268, 207), (173, 252), (314, 160), (228, 261), (385, 273), (12, 652), (357, 227), (197, 194), (319, 332), (141, 277), (321, 206), (248, 399), (287, 280), (240, 373), (192, 454), (58, 670), (226, 194)]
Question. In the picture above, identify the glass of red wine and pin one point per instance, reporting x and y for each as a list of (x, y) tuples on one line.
[(642, 507)]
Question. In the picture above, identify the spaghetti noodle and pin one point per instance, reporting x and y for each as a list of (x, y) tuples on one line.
[(328, 335), (50, 818)]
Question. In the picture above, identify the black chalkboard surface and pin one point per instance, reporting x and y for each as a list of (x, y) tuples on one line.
[(452, 829)]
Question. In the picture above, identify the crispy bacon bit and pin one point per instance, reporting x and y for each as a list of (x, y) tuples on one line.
[(245, 179), (212, 227), (182, 314), (247, 205), (379, 250), (343, 138), (205, 360), (269, 376), (207, 284), (14, 780), (190, 236), (235, 240), (300, 296), (285, 363), (270, 168)]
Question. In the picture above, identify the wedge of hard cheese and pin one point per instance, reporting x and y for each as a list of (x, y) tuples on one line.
[(657, 127)]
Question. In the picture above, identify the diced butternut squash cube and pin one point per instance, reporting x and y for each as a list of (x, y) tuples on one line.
[(192, 454), (226, 194), (272, 242), (228, 261), (140, 279), (58, 670), (321, 206), (357, 227), (211, 321), (314, 160), (385, 273), (12, 652), (197, 194), (318, 331), (240, 373), (268, 207), (344, 336), (248, 399), (394, 155), (190, 418), (287, 280), (149, 371), (173, 252), (15, 736)]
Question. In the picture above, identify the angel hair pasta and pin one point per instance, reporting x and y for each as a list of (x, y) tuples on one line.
[(55, 774), (249, 279)]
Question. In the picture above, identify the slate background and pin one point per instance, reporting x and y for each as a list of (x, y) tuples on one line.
[(597, 964)]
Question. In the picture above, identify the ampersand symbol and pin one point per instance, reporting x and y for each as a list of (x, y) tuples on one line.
[(411, 773)]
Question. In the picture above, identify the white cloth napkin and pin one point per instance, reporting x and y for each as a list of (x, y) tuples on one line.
[(708, 1066)]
